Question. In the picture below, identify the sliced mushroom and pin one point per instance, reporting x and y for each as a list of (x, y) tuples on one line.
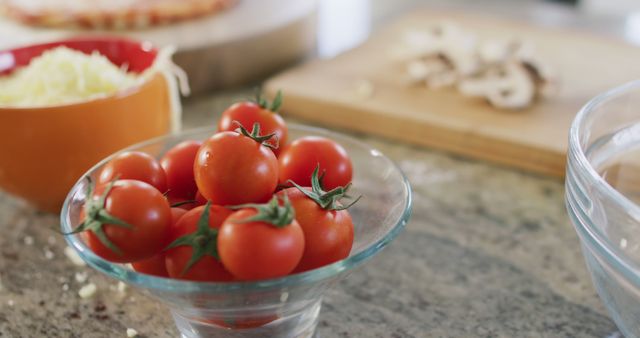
[(510, 87), (516, 90), (506, 72), (444, 41), (495, 51), (546, 80), (423, 71), (417, 71), (458, 48), (442, 79), (464, 63)]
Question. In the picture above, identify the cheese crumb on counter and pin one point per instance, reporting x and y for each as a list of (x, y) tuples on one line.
[(87, 291), (28, 240), (81, 277), (48, 254), (73, 256), (122, 287), (131, 333)]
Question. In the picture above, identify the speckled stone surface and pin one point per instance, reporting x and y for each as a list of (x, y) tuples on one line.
[(489, 252)]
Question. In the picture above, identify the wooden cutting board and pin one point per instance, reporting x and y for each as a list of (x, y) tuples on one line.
[(535, 139)]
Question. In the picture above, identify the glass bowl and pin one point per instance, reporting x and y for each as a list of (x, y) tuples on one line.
[(283, 307), (603, 196)]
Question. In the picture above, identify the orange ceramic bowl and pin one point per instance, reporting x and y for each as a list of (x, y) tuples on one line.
[(44, 150)]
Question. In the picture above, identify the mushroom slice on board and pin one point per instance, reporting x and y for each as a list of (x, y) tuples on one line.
[(511, 87), (546, 79), (434, 71)]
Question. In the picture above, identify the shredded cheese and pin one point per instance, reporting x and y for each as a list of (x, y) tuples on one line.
[(63, 76)]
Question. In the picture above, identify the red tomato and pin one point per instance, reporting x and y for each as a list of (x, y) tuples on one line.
[(182, 203), (249, 113), (152, 266), (145, 211), (298, 160), (207, 267), (134, 165), (176, 214), (178, 166), (155, 265), (257, 250), (232, 168), (328, 233), (187, 204), (242, 323), (200, 200)]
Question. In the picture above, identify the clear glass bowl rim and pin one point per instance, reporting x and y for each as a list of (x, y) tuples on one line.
[(586, 228), (167, 284)]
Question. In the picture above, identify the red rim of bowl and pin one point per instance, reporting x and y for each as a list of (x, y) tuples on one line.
[(137, 55)]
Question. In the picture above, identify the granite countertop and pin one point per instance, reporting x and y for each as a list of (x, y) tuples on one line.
[(493, 257)]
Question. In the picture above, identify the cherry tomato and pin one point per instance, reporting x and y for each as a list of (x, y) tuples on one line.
[(188, 204), (242, 323), (254, 250), (232, 168), (182, 203), (200, 200), (141, 207), (152, 266), (155, 265), (178, 166), (298, 160), (207, 268), (134, 165), (249, 113), (328, 233), (176, 214)]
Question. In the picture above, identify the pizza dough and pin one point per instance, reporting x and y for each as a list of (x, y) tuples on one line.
[(109, 14)]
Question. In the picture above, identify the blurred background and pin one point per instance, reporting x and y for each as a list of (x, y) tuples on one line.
[(343, 24), (334, 61), (219, 50)]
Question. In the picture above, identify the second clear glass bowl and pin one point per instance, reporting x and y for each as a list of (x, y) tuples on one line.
[(603, 196)]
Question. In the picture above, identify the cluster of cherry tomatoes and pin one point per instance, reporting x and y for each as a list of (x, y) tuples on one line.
[(242, 205)]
